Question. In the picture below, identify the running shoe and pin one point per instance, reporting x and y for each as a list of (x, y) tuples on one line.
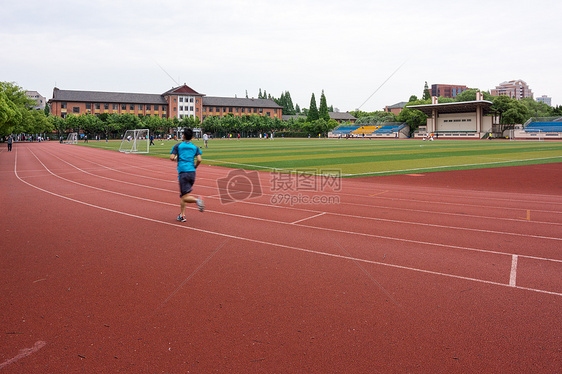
[(181, 218), (200, 204)]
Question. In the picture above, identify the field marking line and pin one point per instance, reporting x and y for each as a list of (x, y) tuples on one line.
[(379, 193), (450, 166), (513, 273), (24, 353), (193, 273), (230, 236), (307, 226), (320, 213), (307, 218), (496, 199)]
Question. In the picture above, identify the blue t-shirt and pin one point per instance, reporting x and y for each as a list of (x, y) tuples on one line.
[(186, 152)]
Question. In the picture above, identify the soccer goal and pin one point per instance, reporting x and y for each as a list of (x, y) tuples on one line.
[(72, 138), (135, 141)]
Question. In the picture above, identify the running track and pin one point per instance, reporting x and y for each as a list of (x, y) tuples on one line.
[(450, 272)]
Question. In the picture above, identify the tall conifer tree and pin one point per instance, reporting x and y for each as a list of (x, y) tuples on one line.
[(312, 110), (323, 110)]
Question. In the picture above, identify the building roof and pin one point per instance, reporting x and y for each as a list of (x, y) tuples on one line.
[(401, 104), (343, 116), (240, 102), (185, 89), (107, 97), (457, 107)]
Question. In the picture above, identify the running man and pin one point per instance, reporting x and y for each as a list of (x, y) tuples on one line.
[(185, 153)]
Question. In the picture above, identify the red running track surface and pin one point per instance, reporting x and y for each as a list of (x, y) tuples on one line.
[(450, 272)]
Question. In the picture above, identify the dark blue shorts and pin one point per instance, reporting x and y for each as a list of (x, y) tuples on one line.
[(186, 179)]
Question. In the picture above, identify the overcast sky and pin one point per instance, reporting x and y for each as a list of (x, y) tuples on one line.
[(225, 48)]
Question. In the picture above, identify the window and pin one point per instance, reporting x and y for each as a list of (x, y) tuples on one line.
[(197, 109), (115, 106), (191, 108), (131, 107), (255, 110), (261, 110), (97, 106), (76, 109), (197, 101), (181, 99), (156, 108), (140, 107), (268, 114), (243, 110), (63, 105), (230, 110), (181, 108), (148, 107), (190, 99), (123, 106), (88, 105), (106, 106)]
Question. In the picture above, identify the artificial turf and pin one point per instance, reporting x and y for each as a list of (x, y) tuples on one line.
[(363, 157)]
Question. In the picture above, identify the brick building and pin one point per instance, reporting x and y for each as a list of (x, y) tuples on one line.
[(179, 102)]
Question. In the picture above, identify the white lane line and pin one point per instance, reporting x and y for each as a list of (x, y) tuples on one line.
[(277, 244), (302, 225), (352, 204), (24, 353), (513, 274), (321, 213), (307, 218)]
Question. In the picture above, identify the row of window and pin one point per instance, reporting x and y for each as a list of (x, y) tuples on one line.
[(231, 109), (123, 106), (77, 111), (458, 120)]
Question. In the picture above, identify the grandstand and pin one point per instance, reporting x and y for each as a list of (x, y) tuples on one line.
[(539, 128), (387, 130)]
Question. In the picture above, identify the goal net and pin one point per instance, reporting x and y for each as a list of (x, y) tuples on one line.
[(135, 141), (72, 138)]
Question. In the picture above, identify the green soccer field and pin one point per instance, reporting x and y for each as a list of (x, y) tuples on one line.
[(363, 157)]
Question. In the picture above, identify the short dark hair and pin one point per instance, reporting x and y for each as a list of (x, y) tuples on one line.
[(188, 133)]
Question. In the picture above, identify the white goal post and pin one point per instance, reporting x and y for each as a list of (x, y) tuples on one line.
[(72, 138), (135, 141)]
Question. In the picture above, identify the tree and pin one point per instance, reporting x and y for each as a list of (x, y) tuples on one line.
[(536, 108), (426, 93), (323, 110), (297, 109), (313, 114), (14, 104), (413, 98)]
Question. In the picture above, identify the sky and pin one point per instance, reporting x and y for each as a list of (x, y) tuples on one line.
[(363, 54)]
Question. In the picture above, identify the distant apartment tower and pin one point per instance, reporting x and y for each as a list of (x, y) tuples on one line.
[(515, 89), (545, 99), (447, 90), (39, 99)]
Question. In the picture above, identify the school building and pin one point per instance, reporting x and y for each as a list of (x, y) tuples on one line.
[(179, 102)]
